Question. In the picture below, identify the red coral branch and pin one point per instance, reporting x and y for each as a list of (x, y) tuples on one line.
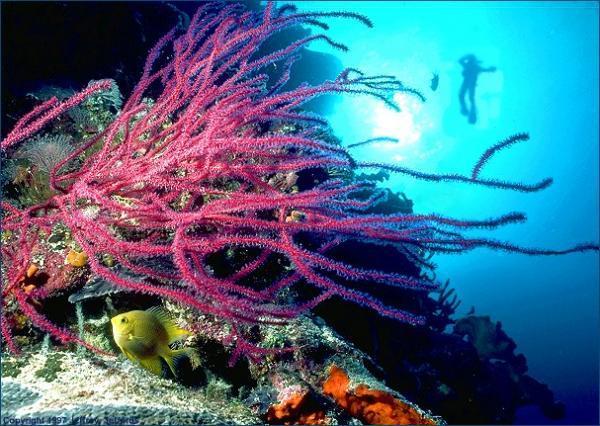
[(191, 172), (26, 127)]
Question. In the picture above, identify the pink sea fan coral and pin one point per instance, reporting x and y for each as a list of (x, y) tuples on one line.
[(190, 173)]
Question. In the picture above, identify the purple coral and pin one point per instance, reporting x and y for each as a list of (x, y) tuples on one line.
[(190, 172)]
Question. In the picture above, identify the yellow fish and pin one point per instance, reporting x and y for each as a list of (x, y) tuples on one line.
[(144, 337)]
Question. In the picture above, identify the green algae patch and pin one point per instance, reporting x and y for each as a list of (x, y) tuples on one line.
[(51, 367), (11, 366)]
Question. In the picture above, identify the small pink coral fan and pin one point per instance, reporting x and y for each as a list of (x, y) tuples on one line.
[(189, 172)]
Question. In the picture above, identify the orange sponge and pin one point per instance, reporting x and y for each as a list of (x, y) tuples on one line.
[(371, 406)]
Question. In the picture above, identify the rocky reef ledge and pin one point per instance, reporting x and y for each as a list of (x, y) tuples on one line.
[(326, 381)]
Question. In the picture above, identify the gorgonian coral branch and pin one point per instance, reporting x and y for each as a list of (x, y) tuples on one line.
[(454, 177), (28, 125), (372, 140), (191, 173), (487, 155)]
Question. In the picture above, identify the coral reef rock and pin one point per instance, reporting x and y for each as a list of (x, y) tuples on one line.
[(112, 391), (324, 380)]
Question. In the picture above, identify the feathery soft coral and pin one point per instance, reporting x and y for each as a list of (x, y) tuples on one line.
[(190, 172)]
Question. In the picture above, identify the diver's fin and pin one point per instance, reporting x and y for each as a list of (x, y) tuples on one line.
[(174, 332), (152, 364), (173, 357)]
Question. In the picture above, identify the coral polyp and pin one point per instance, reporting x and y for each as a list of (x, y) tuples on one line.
[(192, 167)]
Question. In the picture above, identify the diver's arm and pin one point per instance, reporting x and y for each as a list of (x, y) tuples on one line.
[(489, 69)]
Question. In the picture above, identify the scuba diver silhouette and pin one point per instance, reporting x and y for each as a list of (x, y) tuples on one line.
[(471, 69)]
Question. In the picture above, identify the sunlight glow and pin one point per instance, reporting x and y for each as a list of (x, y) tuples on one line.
[(407, 126)]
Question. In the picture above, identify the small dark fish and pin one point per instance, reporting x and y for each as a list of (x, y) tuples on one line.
[(435, 81)]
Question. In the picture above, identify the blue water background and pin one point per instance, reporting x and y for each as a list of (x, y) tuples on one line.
[(546, 84)]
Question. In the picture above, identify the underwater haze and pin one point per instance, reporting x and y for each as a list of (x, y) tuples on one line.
[(546, 84)]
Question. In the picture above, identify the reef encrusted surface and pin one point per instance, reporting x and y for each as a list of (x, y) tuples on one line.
[(467, 372), (297, 388), (113, 392)]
